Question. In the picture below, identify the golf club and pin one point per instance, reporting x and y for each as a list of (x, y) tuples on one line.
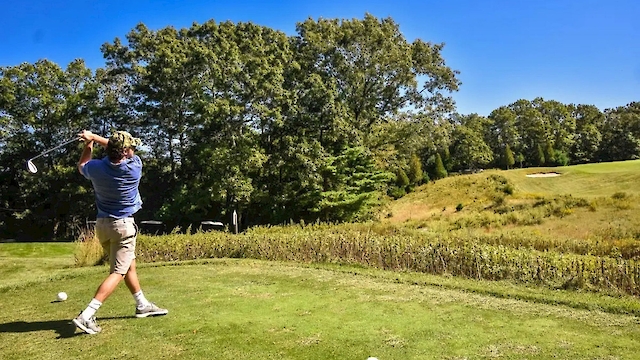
[(32, 167)]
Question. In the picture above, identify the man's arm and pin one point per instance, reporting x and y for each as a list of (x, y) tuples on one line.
[(87, 151), (89, 136), (86, 154)]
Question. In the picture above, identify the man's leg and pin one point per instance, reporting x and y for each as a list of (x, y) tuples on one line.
[(108, 286), (131, 279), (107, 234), (86, 319), (144, 307)]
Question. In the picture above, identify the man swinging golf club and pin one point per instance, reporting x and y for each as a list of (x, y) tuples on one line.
[(115, 180)]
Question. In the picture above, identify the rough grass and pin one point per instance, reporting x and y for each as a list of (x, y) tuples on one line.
[(586, 202), (494, 232)]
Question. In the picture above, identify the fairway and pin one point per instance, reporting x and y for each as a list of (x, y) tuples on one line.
[(241, 309), (588, 180)]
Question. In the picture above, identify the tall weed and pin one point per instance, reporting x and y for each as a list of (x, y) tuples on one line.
[(402, 250), (88, 250)]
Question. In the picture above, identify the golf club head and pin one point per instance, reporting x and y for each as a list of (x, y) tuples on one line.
[(31, 167)]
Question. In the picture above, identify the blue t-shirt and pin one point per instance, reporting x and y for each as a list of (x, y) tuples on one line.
[(115, 185)]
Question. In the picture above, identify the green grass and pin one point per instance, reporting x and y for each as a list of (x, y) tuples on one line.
[(588, 180), (247, 309), (37, 250), (23, 262)]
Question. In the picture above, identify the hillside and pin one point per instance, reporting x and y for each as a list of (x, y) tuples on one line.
[(581, 201)]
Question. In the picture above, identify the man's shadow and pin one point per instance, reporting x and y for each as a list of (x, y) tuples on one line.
[(64, 328)]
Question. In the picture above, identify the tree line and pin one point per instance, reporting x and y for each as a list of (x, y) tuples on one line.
[(322, 125)]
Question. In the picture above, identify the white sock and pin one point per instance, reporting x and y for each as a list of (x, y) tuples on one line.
[(141, 301), (91, 309)]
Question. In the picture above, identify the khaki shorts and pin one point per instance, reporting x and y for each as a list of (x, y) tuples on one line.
[(118, 239)]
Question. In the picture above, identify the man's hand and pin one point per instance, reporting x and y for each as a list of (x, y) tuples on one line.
[(87, 136)]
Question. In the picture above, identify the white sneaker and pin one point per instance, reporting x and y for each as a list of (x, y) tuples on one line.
[(150, 310), (89, 326)]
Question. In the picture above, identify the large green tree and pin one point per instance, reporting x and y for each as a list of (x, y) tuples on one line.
[(561, 124), (374, 71), (353, 81), (205, 96), (621, 133), (354, 187), (468, 148), (588, 136), (502, 130), (42, 105)]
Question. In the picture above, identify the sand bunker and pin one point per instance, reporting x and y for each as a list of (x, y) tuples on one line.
[(549, 174)]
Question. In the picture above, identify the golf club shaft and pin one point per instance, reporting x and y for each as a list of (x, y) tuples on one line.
[(57, 147)]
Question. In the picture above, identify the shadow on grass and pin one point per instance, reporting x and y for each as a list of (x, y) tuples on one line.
[(64, 328)]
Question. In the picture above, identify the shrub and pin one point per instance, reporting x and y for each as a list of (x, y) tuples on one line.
[(397, 192), (620, 195), (508, 189), (503, 209), (623, 205), (499, 179), (498, 200)]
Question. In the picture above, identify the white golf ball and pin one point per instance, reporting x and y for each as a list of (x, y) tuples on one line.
[(62, 296)]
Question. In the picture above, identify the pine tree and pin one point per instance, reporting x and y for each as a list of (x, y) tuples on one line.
[(508, 157), (520, 159), (415, 170), (540, 156), (549, 154), (402, 180), (440, 172), (446, 159)]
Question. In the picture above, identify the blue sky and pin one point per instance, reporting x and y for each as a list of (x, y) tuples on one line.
[(572, 51)]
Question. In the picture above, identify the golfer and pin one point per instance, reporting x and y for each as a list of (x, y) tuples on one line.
[(115, 180)]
